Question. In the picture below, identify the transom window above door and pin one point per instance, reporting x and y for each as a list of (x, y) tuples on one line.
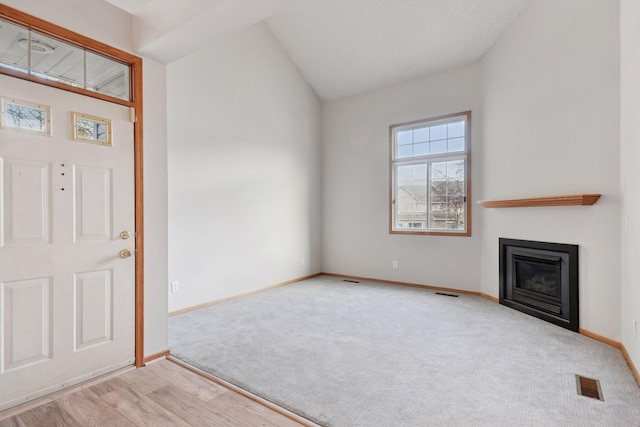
[(26, 51)]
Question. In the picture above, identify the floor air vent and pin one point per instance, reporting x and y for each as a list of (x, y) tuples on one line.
[(447, 295), (350, 281), (589, 387)]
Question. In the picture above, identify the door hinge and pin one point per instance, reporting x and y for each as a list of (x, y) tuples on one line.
[(132, 114)]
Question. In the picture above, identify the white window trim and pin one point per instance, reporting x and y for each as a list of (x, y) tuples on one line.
[(394, 163)]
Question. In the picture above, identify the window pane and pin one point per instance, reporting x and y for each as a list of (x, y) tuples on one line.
[(405, 174), (405, 137), (447, 195), (438, 132), (26, 116), (107, 76), (438, 170), (438, 147), (404, 151), (57, 61), (13, 51), (421, 149), (455, 130), (419, 172), (61, 62), (455, 169), (411, 197), (421, 135), (456, 144), (21, 117), (91, 129)]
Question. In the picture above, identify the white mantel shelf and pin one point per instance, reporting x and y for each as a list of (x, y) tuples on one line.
[(572, 200)]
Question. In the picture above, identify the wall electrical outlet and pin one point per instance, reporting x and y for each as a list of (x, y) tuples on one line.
[(395, 265), (175, 287)]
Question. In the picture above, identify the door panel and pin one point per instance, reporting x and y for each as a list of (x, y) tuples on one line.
[(66, 295), (26, 187), (93, 308), (27, 322), (93, 211)]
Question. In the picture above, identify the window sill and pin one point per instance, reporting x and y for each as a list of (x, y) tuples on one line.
[(433, 233)]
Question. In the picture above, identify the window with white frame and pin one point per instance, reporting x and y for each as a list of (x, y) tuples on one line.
[(430, 176)]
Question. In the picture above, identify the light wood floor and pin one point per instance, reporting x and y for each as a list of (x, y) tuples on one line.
[(160, 394)]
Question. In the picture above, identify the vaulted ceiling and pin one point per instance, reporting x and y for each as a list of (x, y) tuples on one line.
[(342, 47)]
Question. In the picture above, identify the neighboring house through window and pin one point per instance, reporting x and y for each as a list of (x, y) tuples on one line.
[(430, 172)]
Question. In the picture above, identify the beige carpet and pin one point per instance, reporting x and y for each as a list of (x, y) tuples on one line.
[(344, 354)]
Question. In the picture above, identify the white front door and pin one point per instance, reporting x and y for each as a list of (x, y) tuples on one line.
[(67, 297)]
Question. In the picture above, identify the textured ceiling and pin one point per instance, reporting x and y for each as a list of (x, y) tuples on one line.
[(344, 47), (131, 6)]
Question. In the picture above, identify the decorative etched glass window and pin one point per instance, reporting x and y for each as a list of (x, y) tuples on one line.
[(25, 116), (430, 176), (91, 129)]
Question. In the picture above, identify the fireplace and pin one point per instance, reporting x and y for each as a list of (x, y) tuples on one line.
[(540, 279)]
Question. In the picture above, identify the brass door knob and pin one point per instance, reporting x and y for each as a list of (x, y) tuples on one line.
[(125, 253)]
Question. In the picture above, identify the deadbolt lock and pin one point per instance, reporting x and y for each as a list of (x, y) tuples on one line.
[(125, 235), (125, 253)]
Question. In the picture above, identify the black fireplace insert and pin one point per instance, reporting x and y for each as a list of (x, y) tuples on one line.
[(540, 279)]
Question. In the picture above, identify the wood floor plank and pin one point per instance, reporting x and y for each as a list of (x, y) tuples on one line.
[(236, 405), (183, 405), (190, 382), (163, 393), (105, 387), (50, 414), (139, 409), (87, 409), (144, 381), (11, 422)]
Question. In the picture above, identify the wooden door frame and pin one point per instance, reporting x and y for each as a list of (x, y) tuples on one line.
[(135, 64)]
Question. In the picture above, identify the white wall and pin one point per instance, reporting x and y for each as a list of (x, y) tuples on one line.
[(95, 19), (156, 270), (551, 110), (108, 24), (244, 170), (356, 184), (630, 167)]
